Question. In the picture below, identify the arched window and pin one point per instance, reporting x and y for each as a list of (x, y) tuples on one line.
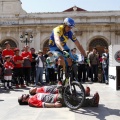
[(46, 46), (99, 43), (12, 44)]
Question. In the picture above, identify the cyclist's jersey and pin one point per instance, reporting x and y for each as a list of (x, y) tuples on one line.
[(64, 37)]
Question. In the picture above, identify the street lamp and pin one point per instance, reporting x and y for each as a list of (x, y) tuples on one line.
[(26, 41)]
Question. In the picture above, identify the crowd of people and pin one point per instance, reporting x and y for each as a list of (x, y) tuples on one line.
[(26, 66)]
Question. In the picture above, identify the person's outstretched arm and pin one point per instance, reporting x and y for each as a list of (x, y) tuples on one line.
[(53, 105)]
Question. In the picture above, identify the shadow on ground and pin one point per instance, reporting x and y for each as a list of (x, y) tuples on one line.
[(100, 112)]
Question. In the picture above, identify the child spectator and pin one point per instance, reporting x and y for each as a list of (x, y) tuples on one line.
[(51, 67), (8, 66)]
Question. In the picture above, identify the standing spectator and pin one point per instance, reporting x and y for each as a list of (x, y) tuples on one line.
[(1, 64), (39, 67), (61, 68), (105, 56), (46, 67), (81, 69), (8, 66), (105, 69), (27, 57), (18, 69), (74, 66), (92, 56), (33, 65), (88, 76), (51, 67), (7, 50)]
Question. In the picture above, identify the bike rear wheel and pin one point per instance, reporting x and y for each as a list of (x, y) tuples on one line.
[(74, 97)]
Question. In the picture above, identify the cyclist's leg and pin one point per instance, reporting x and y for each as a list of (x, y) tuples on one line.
[(61, 62)]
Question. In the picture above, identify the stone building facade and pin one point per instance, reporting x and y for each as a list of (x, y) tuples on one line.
[(93, 29)]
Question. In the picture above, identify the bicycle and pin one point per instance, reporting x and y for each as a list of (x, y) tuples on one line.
[(72, 91)]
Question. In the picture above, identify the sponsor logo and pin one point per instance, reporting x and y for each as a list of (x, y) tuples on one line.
[(117, 56)]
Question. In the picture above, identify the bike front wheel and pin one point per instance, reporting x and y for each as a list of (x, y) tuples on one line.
[(74, 95)]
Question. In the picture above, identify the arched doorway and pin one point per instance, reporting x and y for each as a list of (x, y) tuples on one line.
[(12, 44), (99, 43), (46, 46)]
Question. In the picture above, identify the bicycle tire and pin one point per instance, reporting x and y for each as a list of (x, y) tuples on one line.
[(75, 99)]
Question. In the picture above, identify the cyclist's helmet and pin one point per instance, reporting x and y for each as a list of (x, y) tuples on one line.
[(69, 21)]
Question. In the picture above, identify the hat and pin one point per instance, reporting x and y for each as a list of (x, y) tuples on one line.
[(40, 51), (16, 49), (7, 56), (7, 42), (49, 52)]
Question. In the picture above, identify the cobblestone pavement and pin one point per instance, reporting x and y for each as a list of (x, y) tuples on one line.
[(109, 107)]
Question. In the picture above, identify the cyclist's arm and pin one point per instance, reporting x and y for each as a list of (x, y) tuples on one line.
[(58, 43), (80, 48)]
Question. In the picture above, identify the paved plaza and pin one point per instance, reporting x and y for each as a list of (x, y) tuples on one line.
[(109, 107)]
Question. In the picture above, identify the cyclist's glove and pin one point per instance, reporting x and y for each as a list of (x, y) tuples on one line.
[(66, 54)]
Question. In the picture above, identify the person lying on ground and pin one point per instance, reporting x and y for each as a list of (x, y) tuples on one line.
[(48, 100), (52, 89)]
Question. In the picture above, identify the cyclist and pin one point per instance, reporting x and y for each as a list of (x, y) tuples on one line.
[(59, 37)]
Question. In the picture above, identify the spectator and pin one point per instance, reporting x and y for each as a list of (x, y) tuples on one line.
[(33, 65), (45, 89), (54, 89), (105, 55), (18, 69), (88, 68), (81, 69), (1, 64), (39, 68), (48, 100), (74, 66), (27, 57), (61, 68), (51, 67), (46, 68), (8, 66), (92, 56), (7, 51)]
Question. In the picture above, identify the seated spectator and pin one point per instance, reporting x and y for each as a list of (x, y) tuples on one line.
[(48, 100)]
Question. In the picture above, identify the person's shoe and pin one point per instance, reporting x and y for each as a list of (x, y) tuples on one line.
[(23, 86), (59, 83), (11, 88), (95, 100), (106, 82), (17, 86), (87, 91), (6, 88)]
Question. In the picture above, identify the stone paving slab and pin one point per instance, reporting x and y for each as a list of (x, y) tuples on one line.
[(109, 108)]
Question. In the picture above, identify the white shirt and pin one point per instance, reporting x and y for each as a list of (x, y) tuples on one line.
[(40, 63)]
